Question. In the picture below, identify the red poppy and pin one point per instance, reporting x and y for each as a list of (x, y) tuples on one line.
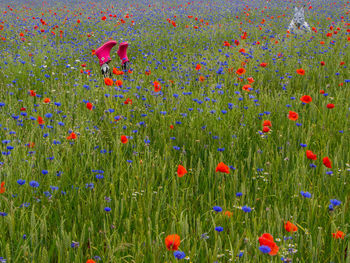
[(128, 101), (322, 63), (201, 78), (108, 81), (157, 86), (119, 83), (293, 116), (117, 72), (32, 93), (306, 99), (171, 126), (172, 242), (90, 261), (263, 65), (266, 129), (23, 109), (290, 227), (300, 71), (89, 106), (46, 100), (327, 162), (310, 155), (72, 136), (124, 139), (40, 120), (228, 214), (2, 188), (198, 67), (250, 80), (338, 234), (246, 87), (223, 168), (322, 91), (267, 240), (330, 106), (31, 145), (240, 71), (148, 72), (181, 171), (267, 123)]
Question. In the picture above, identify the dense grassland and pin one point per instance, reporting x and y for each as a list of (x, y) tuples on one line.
[(67, 199)]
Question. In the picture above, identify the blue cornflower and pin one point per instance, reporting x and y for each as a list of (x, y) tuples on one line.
[(179, 254), (74, 244), (246, 209), (44, 172), (90, 185), (265, 249), (34, 184), (312, 165), (21, 182), (305, 194), (219, 228), (335, 202), (239, 194), (108, 209), (217, 208)]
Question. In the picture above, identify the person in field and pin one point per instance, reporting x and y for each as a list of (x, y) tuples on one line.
[(298, 23), (103, 54)]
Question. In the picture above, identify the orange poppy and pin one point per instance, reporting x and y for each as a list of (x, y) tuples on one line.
[(290, 227), (172, 242), (338, 234), (267, 123), (246, 87), (47, 100), (250, 80), (108, 81), (117, 72), (223, 168), (228, 214), (119, 83)]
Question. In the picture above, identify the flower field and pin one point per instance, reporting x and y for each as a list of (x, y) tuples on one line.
[(227, 138)]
